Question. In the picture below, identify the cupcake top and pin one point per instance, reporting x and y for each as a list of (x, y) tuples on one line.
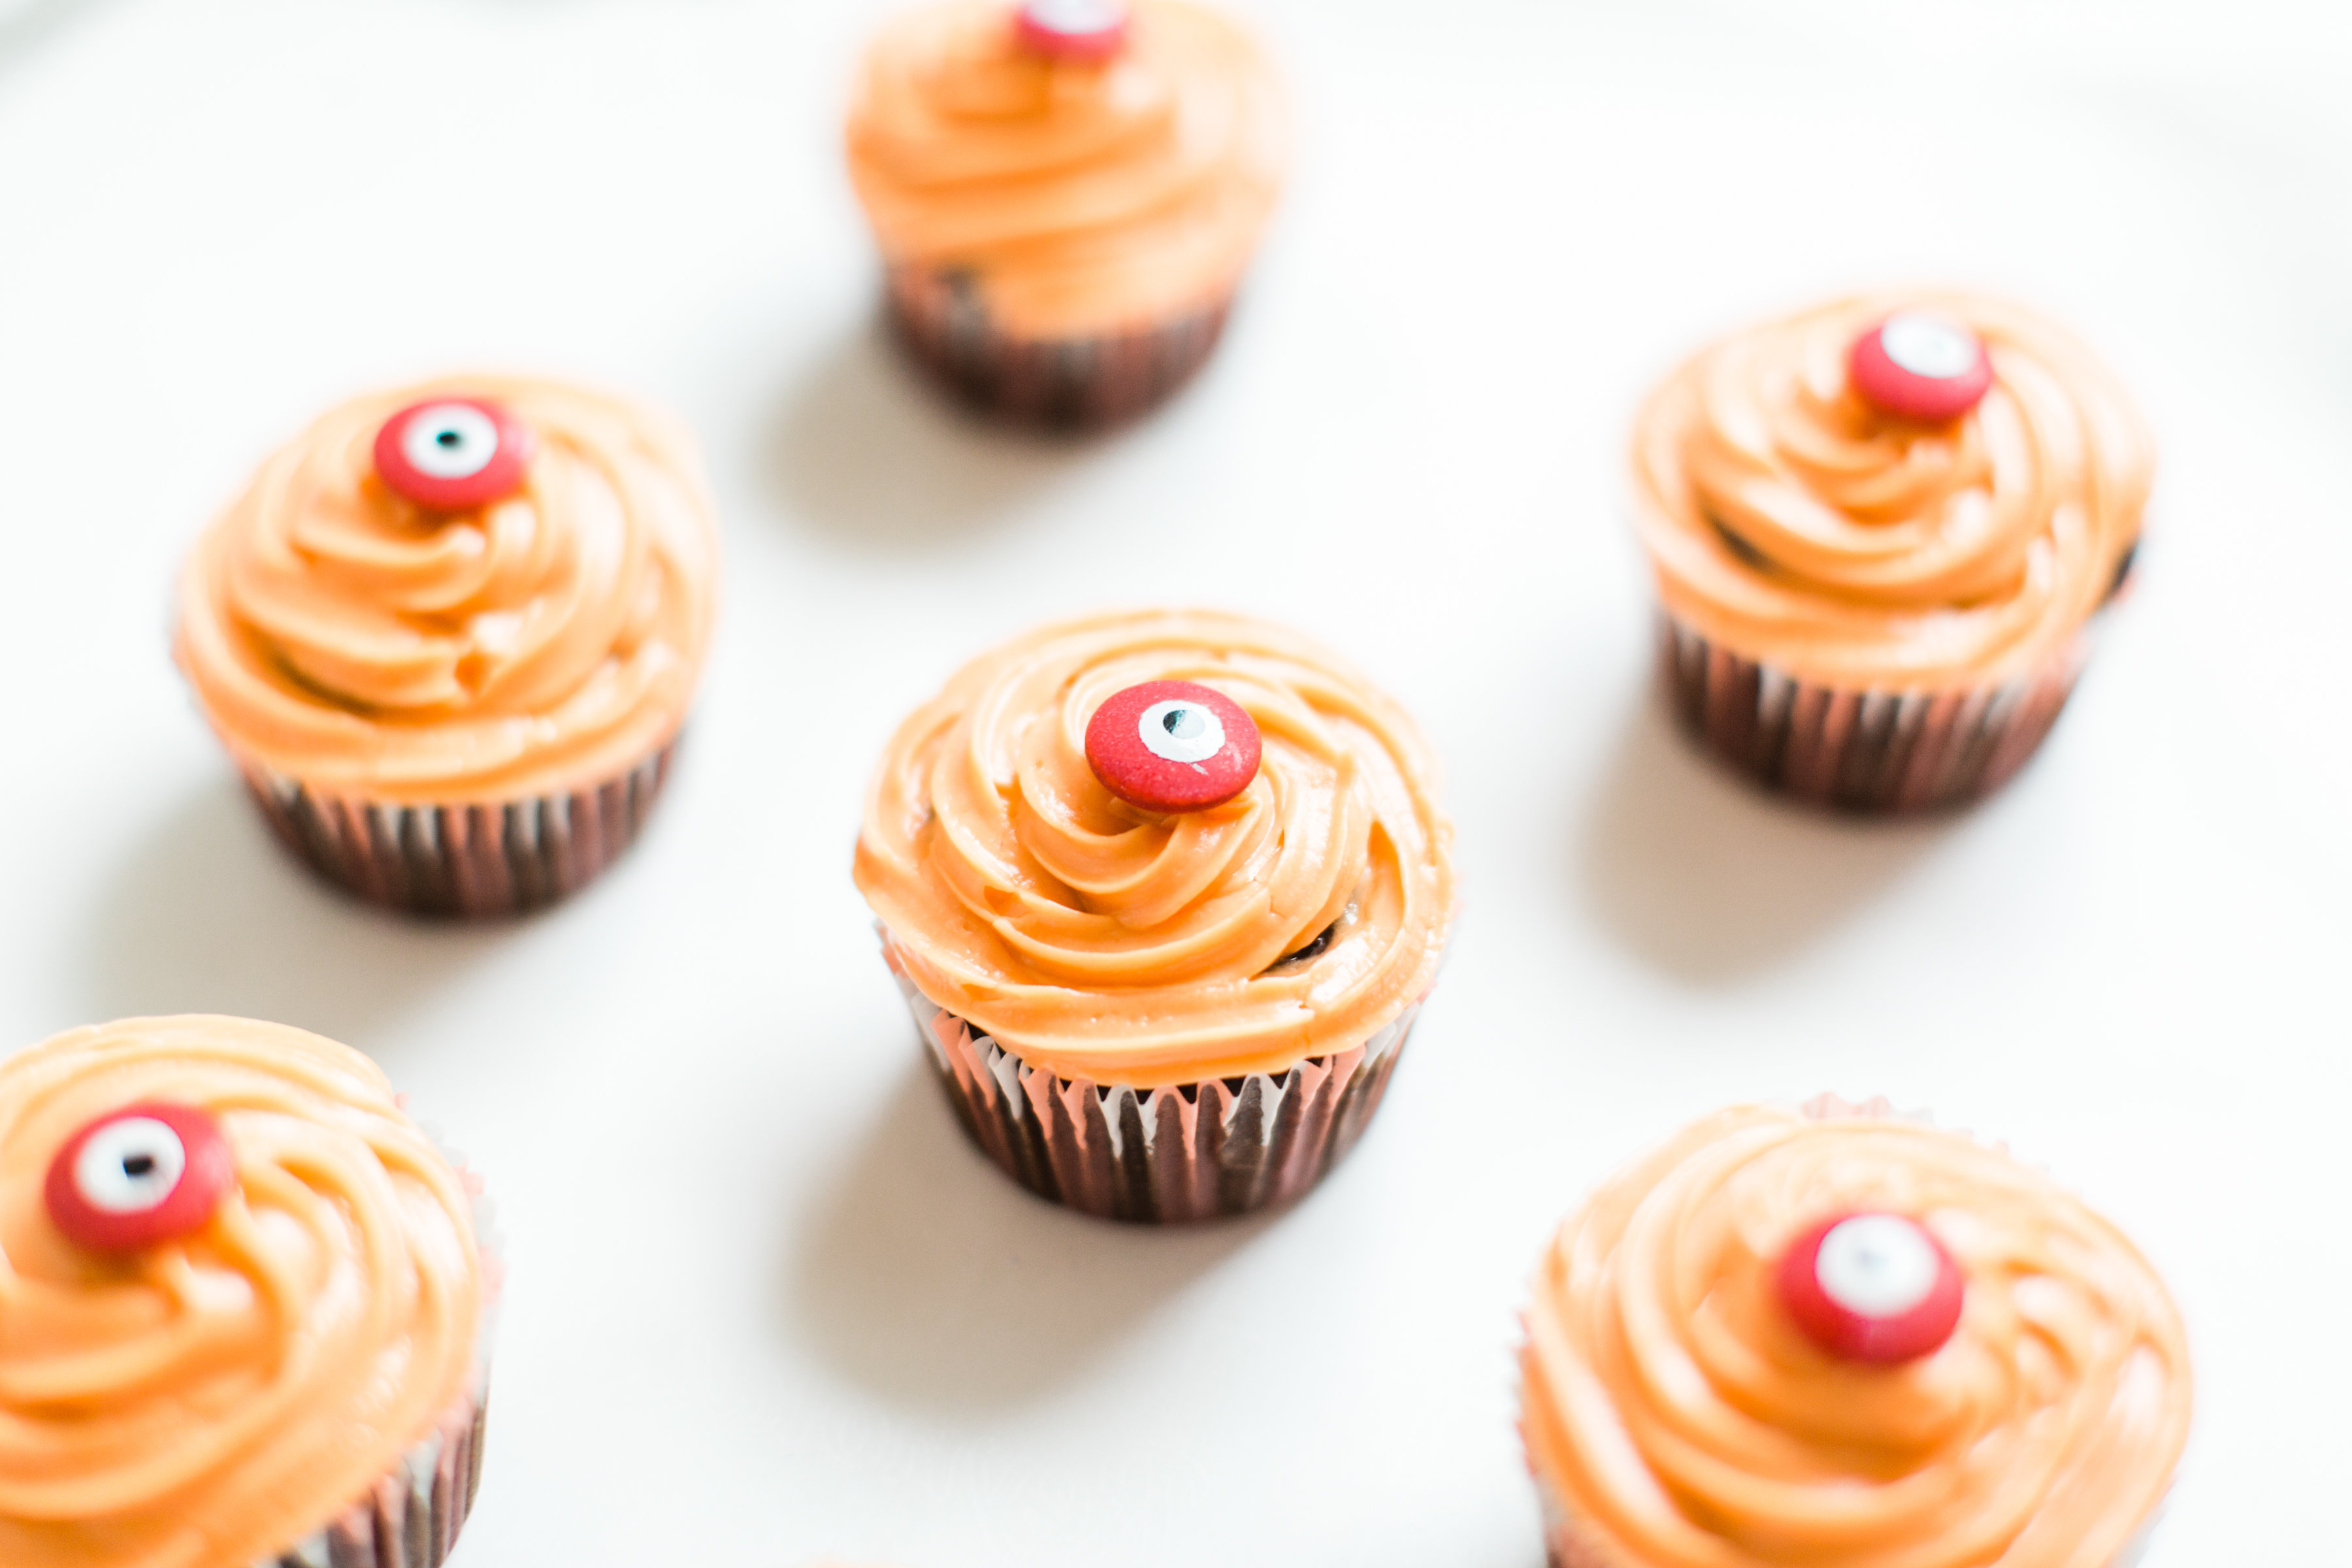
[(1084, 195), (1840, 1338), (1899, 490), (1109, 941), (475, 590), (214, 1337)]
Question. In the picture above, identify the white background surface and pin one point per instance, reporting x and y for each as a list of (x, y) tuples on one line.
[(766, 1307)]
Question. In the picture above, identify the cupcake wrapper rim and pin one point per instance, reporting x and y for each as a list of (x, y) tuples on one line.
[(471, 860), (1072, 383), (1190, 1152), (1873, 751), (412, 1517)]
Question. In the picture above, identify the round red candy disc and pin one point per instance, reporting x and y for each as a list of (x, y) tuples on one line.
[(1084, 30), (1172, 745), (453, 454), (1918, 364), (140, 1175), (1876, 1287)]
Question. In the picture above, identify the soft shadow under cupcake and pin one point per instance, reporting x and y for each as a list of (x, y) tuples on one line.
[(867, 451), (207, 914), (1711, 879), (27, 25), (925, 1275)]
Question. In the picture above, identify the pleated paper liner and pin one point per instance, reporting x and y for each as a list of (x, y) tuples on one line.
[(1863, 750), (1193, 1152), (1067, 384), (472, 861), (1872, 750), (411, 1518)]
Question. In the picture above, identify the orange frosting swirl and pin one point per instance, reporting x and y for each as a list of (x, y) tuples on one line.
[(1105, 943), (1791, 523), (1082, 198), (342, 637), (1680, 1418), (207, 1403)]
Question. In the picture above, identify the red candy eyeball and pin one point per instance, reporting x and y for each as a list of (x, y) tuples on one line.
[(453, 454), (1918, 365), (1084, 30), (1874, 1288), (143, 1174), (1172, 745)]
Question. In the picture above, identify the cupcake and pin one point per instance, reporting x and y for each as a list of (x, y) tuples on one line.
[(1842, 1339), (1065, 194), (450, 633), (1882, 531), (1164, 891), (240, 1307)]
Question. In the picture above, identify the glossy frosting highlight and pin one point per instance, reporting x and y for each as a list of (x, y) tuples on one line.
[(208, 1401), (340, 636), (1789, 520), (1105, 943), (1681, 1419), (1084, 199)]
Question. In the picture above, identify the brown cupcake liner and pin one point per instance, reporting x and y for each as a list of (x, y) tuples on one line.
[(1067, 383), (410, 1517), (1864, 750), (474, 861), (1191, 1152)]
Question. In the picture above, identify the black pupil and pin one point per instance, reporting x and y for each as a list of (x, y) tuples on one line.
[(1175, 717), (137, 1165), (450, 440)]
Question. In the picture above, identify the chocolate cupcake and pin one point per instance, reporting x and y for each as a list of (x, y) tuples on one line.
[(449, 636), (1065, 194), (1164, 891), (1842, 1339), (241, 1302), (1882, 531)]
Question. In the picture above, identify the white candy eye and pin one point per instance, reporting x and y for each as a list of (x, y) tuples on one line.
[(449, 441), (1088, 31), (1173, 745), (149, 1173), (1926, 344), (1877, 1265), (1076, 15), (1873, 1287), (129, 1166), (1181, 730), (1920, 366), (454, 453)]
